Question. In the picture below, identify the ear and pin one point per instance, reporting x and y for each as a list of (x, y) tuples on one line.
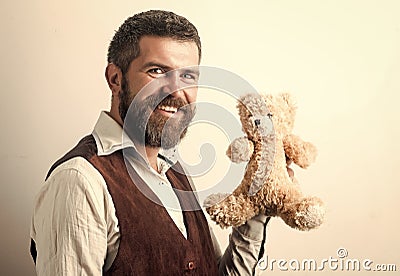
[(290, 102), (114, 76)]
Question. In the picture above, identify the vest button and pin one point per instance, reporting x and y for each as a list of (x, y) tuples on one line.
[(190, 265)]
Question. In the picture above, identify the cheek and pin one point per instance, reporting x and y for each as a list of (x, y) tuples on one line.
[(191, 95), (137, 88)]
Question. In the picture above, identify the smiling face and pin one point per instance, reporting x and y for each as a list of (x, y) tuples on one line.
[(167, 101)]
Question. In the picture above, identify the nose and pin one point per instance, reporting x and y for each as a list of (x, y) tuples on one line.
[(172, 83)]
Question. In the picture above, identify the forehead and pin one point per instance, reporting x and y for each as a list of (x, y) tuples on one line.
[(167, 51)]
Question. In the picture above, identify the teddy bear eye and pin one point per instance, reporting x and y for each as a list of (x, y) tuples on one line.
[(270, 115), (257, 122)]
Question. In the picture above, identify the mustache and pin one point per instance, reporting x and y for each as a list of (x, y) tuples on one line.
[(156, 101)]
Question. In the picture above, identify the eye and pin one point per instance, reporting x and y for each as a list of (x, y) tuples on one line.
[(189, 77), (270, 115), (257, 122), (156, 72)]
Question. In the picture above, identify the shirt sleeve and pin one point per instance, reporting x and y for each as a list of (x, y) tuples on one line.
[(245, 248), (69, 226)]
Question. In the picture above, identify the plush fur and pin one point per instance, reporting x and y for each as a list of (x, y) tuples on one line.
[(267, 187)]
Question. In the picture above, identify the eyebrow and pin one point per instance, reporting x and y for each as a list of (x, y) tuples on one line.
[(156, 64), (192, 71)]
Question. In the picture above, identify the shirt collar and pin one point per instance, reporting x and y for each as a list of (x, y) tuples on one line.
[(110, 137), (107, 134)]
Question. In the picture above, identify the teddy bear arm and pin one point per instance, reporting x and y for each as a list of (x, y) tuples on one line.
[(240, 150), (302, 153)]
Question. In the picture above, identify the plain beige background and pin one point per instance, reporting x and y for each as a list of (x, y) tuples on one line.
[(341, 59)]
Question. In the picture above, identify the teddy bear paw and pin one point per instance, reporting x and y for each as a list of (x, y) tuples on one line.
[(214, 199), (231, 211), (240, 150), (310, 214)]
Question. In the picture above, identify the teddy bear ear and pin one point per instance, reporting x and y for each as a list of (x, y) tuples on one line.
[(240, 105), (246, 101), (289, 100)]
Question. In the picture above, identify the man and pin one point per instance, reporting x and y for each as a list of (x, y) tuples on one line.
[(91, 217)]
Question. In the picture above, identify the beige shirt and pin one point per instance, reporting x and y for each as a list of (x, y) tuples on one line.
[(75, 227)]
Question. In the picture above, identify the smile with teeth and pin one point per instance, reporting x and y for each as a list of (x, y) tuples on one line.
[(169, 109)]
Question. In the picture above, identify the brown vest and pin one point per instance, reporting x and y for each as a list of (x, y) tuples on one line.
[(150, 243)]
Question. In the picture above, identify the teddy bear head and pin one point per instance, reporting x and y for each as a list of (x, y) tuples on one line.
[(261, 115)]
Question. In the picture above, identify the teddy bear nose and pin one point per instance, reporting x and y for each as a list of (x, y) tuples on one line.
[(257, 122)]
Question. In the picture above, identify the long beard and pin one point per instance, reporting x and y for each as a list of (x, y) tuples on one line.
[(151, 128)]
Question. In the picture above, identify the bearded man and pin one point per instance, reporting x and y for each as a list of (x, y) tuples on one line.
[(109, 206)]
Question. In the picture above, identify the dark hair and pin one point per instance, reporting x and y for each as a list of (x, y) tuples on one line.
[(124, 47)]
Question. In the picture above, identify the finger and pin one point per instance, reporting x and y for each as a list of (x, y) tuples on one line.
[(290, 172)]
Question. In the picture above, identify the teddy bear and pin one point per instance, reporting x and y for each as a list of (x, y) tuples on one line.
[(266, 187)]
